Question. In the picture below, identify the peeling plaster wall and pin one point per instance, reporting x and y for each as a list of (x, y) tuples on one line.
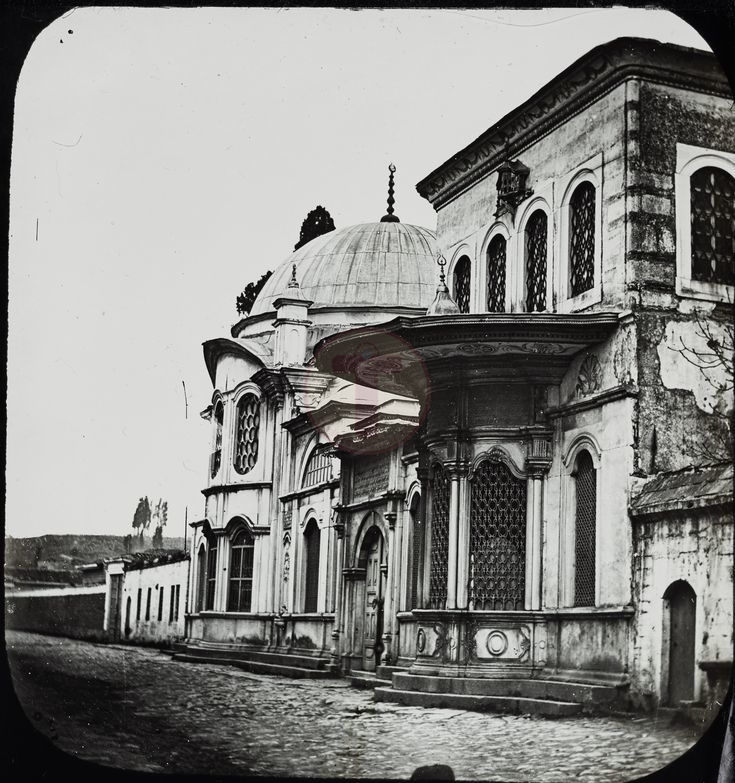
[(699, 550)]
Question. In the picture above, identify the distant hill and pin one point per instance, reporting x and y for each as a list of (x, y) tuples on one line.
[(66, 551)]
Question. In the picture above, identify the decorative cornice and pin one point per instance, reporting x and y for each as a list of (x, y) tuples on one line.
[(577, 406), (271, 382), (571, 91), (313, 490), (236, 487)]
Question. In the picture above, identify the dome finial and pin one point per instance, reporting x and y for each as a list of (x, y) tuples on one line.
[(293, 282), (389, 217), (443, 303)]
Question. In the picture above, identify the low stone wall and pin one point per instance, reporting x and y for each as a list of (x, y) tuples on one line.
[(77, 612)]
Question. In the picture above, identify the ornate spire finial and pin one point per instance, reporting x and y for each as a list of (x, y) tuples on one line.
[(293, 282), (389, 217), (443, 303)]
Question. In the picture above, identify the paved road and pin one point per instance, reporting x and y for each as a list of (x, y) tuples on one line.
[(139, 709)]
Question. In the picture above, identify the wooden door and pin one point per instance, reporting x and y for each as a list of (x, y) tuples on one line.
[(682, 613), (373, 614)]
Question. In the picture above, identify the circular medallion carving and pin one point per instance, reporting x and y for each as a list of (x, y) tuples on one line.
[(496, 642), (421, 640)]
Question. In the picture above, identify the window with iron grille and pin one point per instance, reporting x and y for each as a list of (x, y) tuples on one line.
[(318, 469), (211, 572), (713, 226), (582, 238), (148, 605), (416, 552), (246, 433), (176, 603), (139, 604), (240, 591), (462, 272), (312, 540), (439, 538), (585, 479), (201, 578), (496, 275), (216, 458), (171, 600), (160, 604), (497, 538), (536, 245)]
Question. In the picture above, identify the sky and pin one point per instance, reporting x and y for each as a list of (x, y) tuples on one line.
[(164, 158)]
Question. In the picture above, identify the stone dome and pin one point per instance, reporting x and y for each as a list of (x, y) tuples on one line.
[(387, 265)]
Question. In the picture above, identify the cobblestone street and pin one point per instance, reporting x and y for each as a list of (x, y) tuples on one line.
[(138, 709)]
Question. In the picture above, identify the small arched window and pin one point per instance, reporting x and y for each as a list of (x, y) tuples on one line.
[(246, 434), (439, 557), (496, 274), (216, 458), (536, 253), (211, 572), (240, 592), (582, 239), (585, 530), (462, 271), (312, 543), (713, 225), (318, 468)]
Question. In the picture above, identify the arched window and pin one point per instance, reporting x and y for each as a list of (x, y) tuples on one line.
[(312, 541), (496, 274), (439, 538), (536, 252), (416, 550), (582, 239), (201, 577), (462, 271), (240, 592), (246, 434), (713, 225), (585, 524), (216, 458), (497, 538), (318, 468), (211, 572)]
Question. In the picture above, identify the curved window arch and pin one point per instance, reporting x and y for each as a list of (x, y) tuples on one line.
[(414, 512), (582, 212), (312, 545), (318, 468), (496, 259), (712, 205), (240, 592), (246, 433), (497, 538), (438, 561), (216, 458), (462, 283), (536, 252), (585, 529)]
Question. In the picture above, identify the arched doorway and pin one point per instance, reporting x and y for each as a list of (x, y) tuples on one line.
[(680, 606), (312, 545), (372, 556)]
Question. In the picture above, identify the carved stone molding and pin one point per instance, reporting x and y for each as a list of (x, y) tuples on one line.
[(589, 377)]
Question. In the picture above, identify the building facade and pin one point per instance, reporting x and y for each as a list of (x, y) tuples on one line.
[(521, 475)]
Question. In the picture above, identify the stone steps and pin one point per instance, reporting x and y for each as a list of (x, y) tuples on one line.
[(587, 695), (238, 652), (257, 667), (386, 672), (510, 704), (361, 679)]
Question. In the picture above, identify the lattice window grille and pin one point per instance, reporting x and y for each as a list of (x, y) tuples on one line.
[(496, 275), (497, 538), (246, 435), (713, 226), (536, 250), (585, 531), (318, 469), (312, 539), (216, 459), (241, 573), (582, 239), (439, 538), (462, 284)]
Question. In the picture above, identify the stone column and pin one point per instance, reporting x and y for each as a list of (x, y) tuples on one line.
[(339, 530), (388, 603), (463, 539), (538, 463), (453, 538)]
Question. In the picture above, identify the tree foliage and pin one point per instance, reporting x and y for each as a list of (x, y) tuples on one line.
[(142, 516), (316, 223), (246, 299), (160, 516)]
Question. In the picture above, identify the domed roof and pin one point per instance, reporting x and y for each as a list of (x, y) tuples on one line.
[(386, 264)]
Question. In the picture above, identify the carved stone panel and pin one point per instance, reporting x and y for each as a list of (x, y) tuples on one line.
[(588, 381), (369, 477), (506, 644)]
